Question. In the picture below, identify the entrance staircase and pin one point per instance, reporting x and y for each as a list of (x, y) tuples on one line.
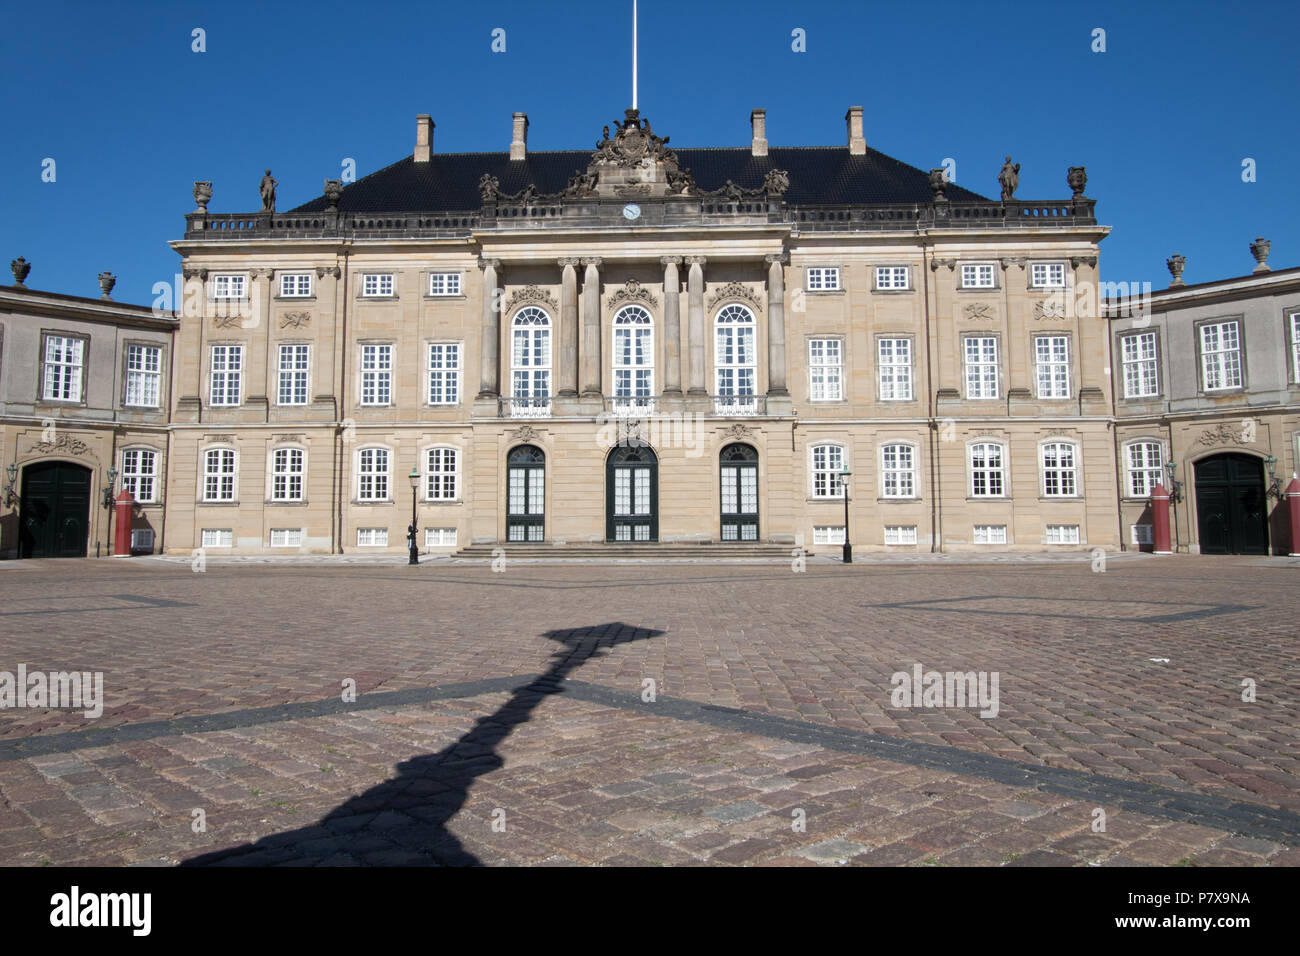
[(650, 552)]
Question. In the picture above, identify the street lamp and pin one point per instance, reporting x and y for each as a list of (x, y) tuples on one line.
[(108, 489), (11, 470), (844, 490), (414, 476), (1176, 491)]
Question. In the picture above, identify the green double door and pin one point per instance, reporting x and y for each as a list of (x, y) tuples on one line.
[(55, 511), (1231, 505)]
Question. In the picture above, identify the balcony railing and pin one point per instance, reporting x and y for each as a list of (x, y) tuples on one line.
[(630, 406), (739, 406), (525, 408)]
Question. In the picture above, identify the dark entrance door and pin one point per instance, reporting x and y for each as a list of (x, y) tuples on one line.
[(739, 467), (525, 494), (632, 494), (1231, 507), (55, 511)]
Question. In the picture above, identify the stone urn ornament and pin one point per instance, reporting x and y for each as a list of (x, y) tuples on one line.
[(202, 193), (333, 190), (106, 282), (938, 184), (1260, 249), (1176, 264), (1077, 179), (21, 268)]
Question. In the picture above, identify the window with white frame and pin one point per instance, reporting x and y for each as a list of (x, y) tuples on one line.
[(895, 369), (372, 474), (1144, 461), (734, 356), (1143, 534), (227, 371), (981, 367), (294, 364), (377, 284), (977, 275), (295, 285), (1295, 344), (444, 283), (1047, 275), (900, 534), (634, 353), (891, 277), (143, 375), (219, 474), (825, 370), (444, 373), (827, 463), (987, 479), (286, 537), (376, 374), (440, 537), (828, 534), (372, 537), (1061, 534), (1220, 355), (1139, 359), (1059, 470), (64, 366), (229, 286), (898, 471), (218, 537), (530, 354), (1052, 360), (989, 534), (823, 279), (140, 474), (287, 474), (440, 474)]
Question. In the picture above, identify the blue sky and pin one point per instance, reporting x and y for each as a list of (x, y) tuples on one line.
[(113, 93)]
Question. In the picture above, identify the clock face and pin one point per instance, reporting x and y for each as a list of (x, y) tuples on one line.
[(631, 211)]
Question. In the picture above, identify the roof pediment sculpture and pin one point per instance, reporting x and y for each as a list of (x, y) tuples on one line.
[(633, 156), (777, 182), (581, 185), (633, 143), (489, 188)]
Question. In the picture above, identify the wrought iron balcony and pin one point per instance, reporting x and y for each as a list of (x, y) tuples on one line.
[(630, 406), (739, 406), (525, 408)]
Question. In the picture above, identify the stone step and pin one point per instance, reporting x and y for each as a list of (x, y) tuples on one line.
[(649, 551)]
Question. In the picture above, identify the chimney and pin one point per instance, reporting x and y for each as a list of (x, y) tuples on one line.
[(423, 138), (519, 137), (758, 138), (857, 145)]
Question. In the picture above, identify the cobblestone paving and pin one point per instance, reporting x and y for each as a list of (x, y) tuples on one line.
[(772, 740)]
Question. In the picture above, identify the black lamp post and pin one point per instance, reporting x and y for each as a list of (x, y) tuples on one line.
[(11, 471), (108, 489), (414, 476), (1176, 489), (844, 490)]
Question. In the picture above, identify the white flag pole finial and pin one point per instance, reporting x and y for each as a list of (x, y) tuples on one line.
[(633, 54)]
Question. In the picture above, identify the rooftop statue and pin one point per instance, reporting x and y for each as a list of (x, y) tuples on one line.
[(1009, 178), (267, 189)]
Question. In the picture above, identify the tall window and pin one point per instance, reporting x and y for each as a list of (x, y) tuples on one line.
[(977, 275), (1145, 467), (981, 367), (440, 474), (293, 374), (143, 375), (634, 356), (898, 471), (1221, 355), (530, 354), (295, 285), (444, 373), (140, 474), (372, 474), (1059, 470), (376, 374), (1052, 357), (823, 279), (286, 474), (825, 370), (986, 475), (733, 354), (64, 357), (827, 463), (1139, 356), (895, 370), (1295, 344), (227, 369), (377, 284), (219, 474)]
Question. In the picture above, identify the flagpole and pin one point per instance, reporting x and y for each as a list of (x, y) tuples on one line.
[(633, 54)]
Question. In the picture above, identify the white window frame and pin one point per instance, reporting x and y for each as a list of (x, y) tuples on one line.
[(374, 474), (220, 474), (976, 373), (895, 377), (991, 533), (893, 278), (293, 380), (1141, 371), (143, 387), (828, 534), (1052, 366), (898, 471), (973, 275), (1058, 471), (1220, 365), (823, 479), (138, 479), (437, 538), (1061, 534), (900, 534), (443, 284), (1294, 328), (1041, 275), (231, 370), (377, 285), (993, 473), (822, 279), (444, 366), (64, 363), (376, 379), (217, 538), (531, 345), (1142, 534), (735, 352), (289, 537), (442, 473), (295, 285), (229, 286), (826, 370), (1140, 475), (372, 537), (633, 379), (288, 473)]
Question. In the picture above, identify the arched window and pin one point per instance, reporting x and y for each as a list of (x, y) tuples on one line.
[(734, 361), (530, 358), (1059, 470), (987, 479), (634, 363), (1145, 464)]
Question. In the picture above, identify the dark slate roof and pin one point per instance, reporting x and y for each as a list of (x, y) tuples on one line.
[(819, 175)]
